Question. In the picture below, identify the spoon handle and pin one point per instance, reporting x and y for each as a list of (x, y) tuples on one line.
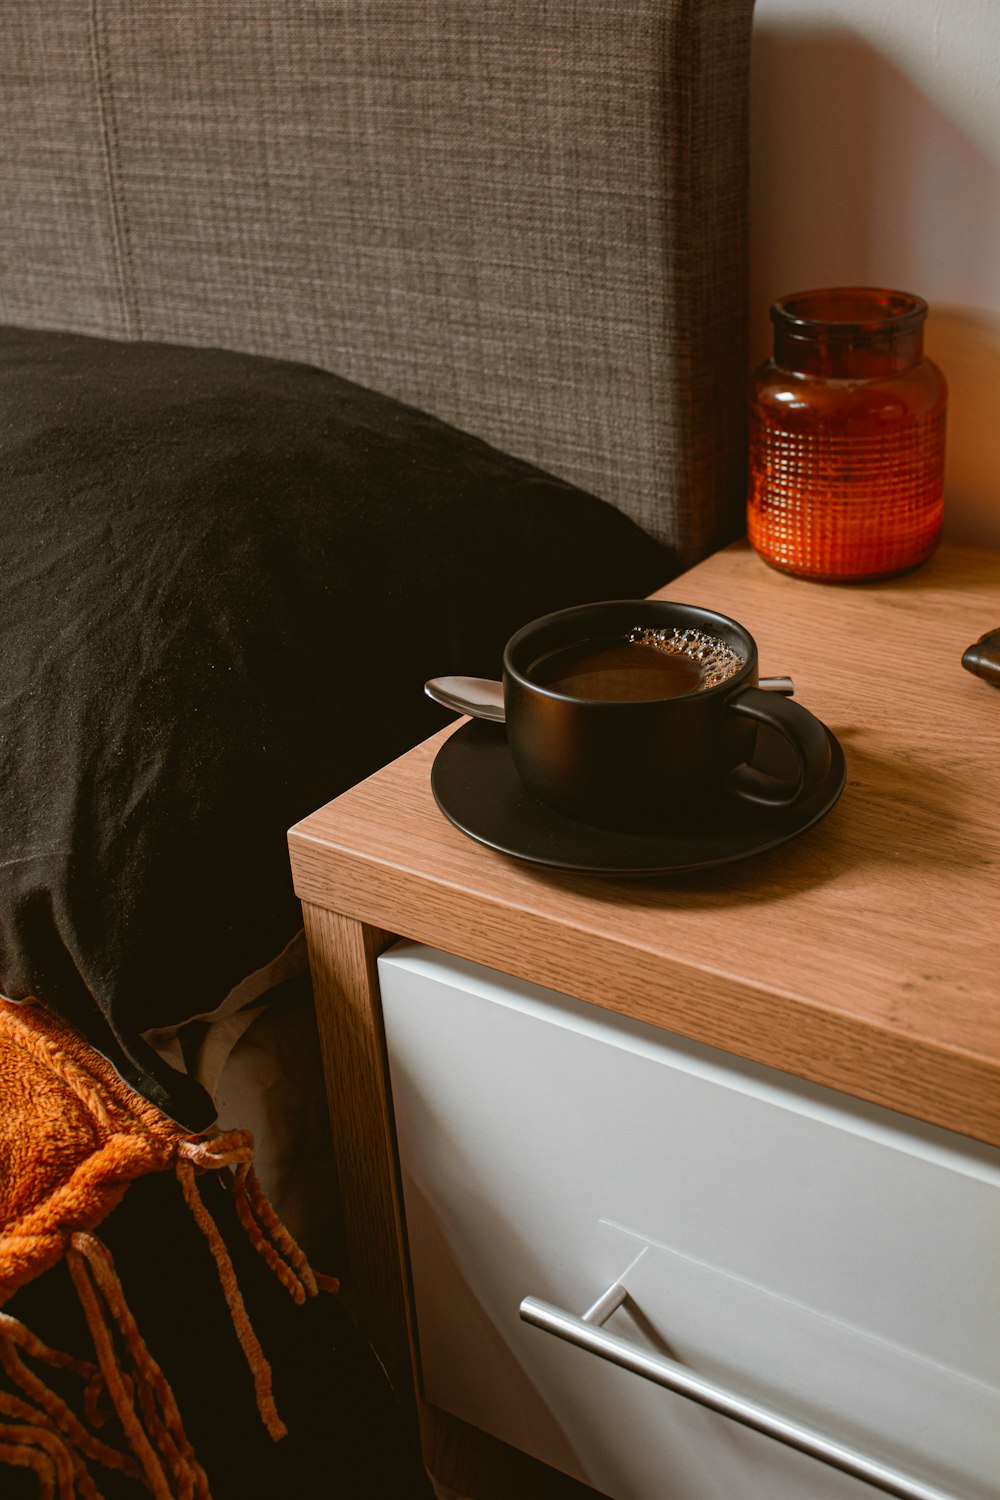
[(478, 696)]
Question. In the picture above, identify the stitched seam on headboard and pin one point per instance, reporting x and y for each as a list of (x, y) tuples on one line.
[(120, 236)]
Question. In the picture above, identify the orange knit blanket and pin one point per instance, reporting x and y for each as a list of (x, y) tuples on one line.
[(73, 1137)]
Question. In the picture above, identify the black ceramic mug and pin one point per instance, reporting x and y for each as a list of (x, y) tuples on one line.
[(679, 756)]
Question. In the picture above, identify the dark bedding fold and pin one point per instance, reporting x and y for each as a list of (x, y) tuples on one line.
[(225, 580)]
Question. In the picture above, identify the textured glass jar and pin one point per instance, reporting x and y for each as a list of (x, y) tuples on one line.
[(847, 426)]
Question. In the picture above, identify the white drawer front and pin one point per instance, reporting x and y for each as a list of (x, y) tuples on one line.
[(830, 1260)]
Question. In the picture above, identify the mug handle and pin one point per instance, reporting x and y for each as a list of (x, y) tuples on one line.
[(804, 733)]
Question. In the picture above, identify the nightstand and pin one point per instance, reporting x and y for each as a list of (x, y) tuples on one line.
[(852, 977)]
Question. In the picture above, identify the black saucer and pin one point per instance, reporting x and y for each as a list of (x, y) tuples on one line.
[(477, 788)]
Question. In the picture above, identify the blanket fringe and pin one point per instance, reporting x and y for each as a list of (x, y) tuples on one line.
[(155, 1434), (259, 1367), (33, 1446), (50, 1413), (40, 1431)]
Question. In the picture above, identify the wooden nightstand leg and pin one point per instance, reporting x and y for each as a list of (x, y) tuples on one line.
[(342, 955)]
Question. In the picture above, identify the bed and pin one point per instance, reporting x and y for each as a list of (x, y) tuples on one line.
[(340, 337)]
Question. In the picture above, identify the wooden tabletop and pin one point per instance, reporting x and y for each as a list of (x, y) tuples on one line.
[(864, 955)]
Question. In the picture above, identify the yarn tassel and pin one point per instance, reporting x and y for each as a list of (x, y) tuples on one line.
[(50, 1210), (256, 1201), (50, 1412), (54, 1461), (28, 1456), (36, 1448), (254, 1354), (265, 1231), (161, 1447), (232, 1151)]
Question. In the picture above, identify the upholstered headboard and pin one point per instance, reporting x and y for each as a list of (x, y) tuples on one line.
[(525, 216)]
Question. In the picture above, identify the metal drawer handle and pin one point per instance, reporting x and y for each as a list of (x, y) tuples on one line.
[(588, 1333)]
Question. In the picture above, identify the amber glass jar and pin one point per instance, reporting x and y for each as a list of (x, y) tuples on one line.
[(847, 429)]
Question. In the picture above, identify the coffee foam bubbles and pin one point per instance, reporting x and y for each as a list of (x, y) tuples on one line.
[(717, 659)]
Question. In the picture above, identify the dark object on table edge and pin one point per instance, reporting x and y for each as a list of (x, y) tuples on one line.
[(983, 658)]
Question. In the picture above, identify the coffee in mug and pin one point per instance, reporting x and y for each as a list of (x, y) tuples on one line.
[(643, 714), (641, 665)]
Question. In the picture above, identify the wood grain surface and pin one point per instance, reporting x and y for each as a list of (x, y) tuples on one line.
[(342, 957), (864, 956)]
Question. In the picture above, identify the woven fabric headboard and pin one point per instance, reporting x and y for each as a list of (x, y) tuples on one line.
[(526, 216)]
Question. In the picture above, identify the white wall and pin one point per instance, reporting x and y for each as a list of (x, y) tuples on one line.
[(875, 150)]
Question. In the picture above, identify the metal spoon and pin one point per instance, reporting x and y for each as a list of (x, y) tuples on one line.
[(478, 696), (482, 698)]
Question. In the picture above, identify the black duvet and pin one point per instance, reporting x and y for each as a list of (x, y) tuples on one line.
[(224, 582)]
